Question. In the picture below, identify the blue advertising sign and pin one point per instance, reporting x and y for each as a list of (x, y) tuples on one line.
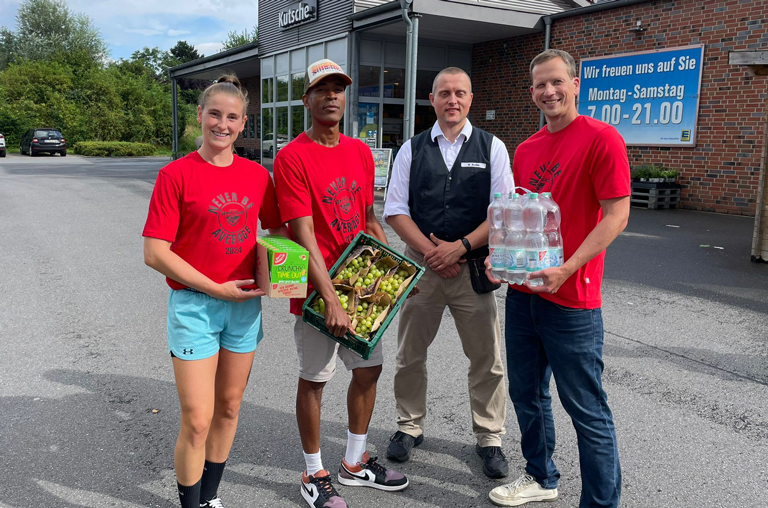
[(651, 97)]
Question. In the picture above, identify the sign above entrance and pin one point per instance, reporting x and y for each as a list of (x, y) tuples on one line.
[(298, 14)]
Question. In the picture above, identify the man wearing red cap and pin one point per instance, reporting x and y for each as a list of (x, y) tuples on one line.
[(324, 183)]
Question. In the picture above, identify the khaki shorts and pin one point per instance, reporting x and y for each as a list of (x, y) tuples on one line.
[(317, 354)]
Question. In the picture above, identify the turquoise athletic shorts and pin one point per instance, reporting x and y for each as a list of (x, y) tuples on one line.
[(198, 325)]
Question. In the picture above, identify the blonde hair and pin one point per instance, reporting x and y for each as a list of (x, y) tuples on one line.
[(551, 54), (227, 84)]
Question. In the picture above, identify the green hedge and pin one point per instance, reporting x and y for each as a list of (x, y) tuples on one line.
[(113, 149)]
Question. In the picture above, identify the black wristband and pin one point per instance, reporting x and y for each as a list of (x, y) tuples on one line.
[(466, 244)]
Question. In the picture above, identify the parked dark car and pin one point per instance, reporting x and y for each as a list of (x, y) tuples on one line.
[(36, 141), (2, 145)]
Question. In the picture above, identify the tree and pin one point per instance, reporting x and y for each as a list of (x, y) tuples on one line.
[(155, 60), (184, 52), (46, 29), (235, 39)]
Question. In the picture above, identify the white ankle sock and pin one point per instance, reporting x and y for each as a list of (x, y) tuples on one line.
[(355, 447), (314, 462)]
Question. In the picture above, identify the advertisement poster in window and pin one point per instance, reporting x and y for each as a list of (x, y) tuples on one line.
[(651, 97), (382, 158)]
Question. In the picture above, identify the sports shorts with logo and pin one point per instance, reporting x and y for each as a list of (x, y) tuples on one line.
[(198, 325)]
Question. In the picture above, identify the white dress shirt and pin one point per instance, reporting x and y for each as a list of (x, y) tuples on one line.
[(397, 194)]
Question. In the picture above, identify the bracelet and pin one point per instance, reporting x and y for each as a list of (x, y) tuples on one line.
[(466, 244)]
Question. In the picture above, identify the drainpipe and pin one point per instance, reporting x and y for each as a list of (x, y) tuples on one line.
[(175, 106), (547, 34), (407, 120), (354, 71), (412, 76)]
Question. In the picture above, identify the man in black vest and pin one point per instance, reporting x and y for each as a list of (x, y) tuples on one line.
[(442, 183)]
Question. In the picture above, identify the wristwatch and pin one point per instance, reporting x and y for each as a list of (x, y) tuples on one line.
[(466, 244)]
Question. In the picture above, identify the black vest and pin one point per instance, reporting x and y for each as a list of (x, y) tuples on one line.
[(450, 204)]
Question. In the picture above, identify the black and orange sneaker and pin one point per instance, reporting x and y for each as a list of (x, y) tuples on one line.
[(317, 490), (369, 473)]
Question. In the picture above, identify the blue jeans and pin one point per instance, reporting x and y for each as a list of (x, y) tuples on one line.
[(542, 339)]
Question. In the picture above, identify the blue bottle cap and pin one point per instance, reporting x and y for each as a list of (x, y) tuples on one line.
[(497, 195), (533, 195)]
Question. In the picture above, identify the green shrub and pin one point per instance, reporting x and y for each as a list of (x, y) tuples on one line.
[(113, 149), (652, 171)]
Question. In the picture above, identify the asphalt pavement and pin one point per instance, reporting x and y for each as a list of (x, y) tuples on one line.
[(89, 413)]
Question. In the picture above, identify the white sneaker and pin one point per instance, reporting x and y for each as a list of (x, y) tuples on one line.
[(523, 490)]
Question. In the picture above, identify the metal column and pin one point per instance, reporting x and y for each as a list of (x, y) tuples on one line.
[(175, 107)]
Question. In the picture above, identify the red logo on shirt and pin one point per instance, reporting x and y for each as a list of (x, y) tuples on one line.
[(280, 258), (233, 217), (342, 196)]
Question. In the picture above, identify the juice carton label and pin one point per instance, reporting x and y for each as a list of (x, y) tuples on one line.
[(282, 267)]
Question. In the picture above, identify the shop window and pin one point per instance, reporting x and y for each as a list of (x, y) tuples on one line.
[(282, 88), (315, 53), (282, 126), (424, 80), (394, 83), (337, 51), (368, 120), (267, 127), (392, 127), (368, 81), (267, 90), (297, 121), (425, 118), (297, 86)]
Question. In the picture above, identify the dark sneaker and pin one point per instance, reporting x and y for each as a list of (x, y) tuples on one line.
[(213, 503), (400, 445), (318, 491), (494, 462), (369, 473)]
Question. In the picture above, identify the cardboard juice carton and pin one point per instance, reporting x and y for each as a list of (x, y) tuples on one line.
[(282, 267)]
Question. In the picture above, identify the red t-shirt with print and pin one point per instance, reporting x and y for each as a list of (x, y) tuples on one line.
[(333, 185), (580, 165), (209, 214)]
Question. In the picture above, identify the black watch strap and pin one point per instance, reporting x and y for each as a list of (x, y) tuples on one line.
[(466, 244)]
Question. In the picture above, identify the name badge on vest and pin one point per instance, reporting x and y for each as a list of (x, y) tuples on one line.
[(473, 165)]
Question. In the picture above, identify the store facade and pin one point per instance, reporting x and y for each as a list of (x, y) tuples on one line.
[(721, 168)]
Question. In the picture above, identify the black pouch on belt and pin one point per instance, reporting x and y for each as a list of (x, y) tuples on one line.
[(480, 282)]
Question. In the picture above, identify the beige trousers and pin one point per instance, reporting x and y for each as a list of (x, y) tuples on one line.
[(477, 321)]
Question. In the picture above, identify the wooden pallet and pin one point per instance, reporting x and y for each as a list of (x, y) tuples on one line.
[(655, 198)]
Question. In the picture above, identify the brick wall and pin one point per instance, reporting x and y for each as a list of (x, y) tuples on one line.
[(251, 144), (721, 174)]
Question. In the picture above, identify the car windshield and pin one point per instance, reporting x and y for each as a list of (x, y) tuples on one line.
[(47, 134)]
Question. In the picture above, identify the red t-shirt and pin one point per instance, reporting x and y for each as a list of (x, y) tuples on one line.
[(580, 165), (209, 213), (331, 185)]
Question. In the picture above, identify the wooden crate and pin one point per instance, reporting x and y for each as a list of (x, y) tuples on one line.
[(655, 196)]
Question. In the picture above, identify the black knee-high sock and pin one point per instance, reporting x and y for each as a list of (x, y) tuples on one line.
[(189, 496), (210, 481)]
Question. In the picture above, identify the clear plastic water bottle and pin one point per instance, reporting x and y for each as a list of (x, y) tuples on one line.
[(552, 231), (497, 252), (534, 218), (514, 239)]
